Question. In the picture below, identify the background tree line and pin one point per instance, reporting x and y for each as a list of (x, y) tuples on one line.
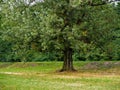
[(33, 33)]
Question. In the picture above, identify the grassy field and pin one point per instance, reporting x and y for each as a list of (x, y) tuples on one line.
[(44, 76)]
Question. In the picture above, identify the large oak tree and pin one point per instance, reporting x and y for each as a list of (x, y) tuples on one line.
[(75, 22)]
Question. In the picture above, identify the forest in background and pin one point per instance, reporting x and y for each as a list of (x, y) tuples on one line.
[(30, 33)]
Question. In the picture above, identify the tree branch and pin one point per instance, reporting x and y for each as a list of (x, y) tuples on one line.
[(96, 4)]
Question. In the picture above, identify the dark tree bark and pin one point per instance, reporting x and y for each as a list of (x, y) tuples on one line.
[(68, 61)]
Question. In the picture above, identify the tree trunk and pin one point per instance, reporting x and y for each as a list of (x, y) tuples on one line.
[(68, 61)]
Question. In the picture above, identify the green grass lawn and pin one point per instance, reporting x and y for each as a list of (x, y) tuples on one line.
[(43, 76)]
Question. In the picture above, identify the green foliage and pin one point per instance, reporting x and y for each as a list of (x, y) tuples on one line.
[(43, 31), (46, 56), (89, 52), (118, 8), (72, 26), (5, 49)]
